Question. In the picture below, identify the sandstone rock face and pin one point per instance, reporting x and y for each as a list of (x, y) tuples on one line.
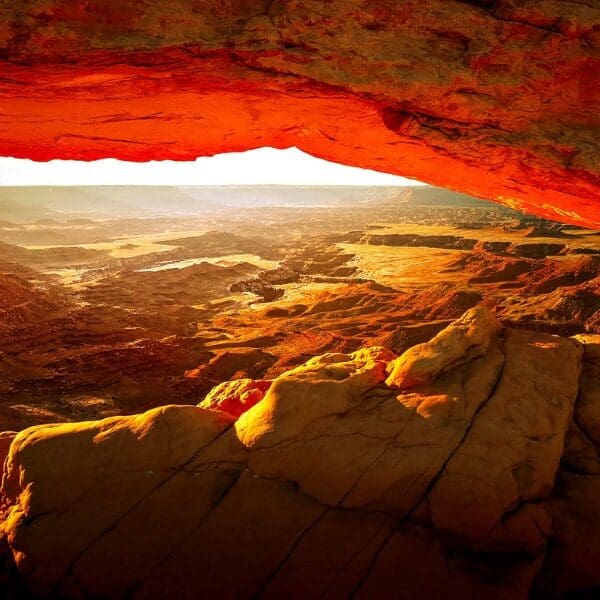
[(497, 99), (235, 397), (333, 484), (515, 445), (574, 556), (468, 337), (128, 461)]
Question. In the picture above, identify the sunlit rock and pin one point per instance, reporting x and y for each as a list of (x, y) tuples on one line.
[(468, 337), (235, 397), (496, 99), (332, 483)]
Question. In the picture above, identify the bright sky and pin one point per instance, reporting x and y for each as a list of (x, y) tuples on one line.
[(260, 166)]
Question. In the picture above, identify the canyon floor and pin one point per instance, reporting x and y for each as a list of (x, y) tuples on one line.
[(101, 315)]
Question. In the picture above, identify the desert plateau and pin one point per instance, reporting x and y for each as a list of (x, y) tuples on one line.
[(409, 370), (105, 316)]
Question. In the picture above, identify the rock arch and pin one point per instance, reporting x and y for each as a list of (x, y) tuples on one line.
[(499, 99)]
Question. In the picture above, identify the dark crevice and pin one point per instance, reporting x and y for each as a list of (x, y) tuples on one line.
[(380, 548)]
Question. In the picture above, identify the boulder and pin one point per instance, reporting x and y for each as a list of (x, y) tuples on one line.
[(70, 486), (235, 397), (387, 447), (466, 338)]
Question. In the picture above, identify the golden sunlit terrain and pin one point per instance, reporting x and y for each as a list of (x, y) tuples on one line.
[(106, 314), (318, 386)]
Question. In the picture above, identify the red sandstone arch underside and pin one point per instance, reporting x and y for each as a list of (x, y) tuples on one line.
[(497, 99)]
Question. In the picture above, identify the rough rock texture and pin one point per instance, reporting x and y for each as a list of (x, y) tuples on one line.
[(235, 397), (334, 484), (516, 441), (465, 339), (497, 99), (574, 555)]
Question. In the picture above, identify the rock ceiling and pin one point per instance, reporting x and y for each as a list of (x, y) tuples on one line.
[(496, 99)]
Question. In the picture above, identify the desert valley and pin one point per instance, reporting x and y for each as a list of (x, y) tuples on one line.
[(107, 313), (393, 372)]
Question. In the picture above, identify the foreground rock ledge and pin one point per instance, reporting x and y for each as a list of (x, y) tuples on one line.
[(495, 99), (331, 482)]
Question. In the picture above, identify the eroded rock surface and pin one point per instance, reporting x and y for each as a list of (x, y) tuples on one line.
[(497, 99), (465, 339), (236, 397), (574, 555), (333, 483)]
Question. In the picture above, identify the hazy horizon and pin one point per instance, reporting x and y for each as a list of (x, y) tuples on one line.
[(29, 203)]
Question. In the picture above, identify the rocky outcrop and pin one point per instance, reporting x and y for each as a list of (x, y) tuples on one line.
[(327, 481), (235, 397), (465, 339), (574, 556), (496, 99)]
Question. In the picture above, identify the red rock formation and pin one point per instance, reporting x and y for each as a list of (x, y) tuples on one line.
[(497, 99), (236, 397), (334, 484)]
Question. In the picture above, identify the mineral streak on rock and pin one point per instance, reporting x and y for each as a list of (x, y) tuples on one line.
[(333, 484), (496, 99)]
